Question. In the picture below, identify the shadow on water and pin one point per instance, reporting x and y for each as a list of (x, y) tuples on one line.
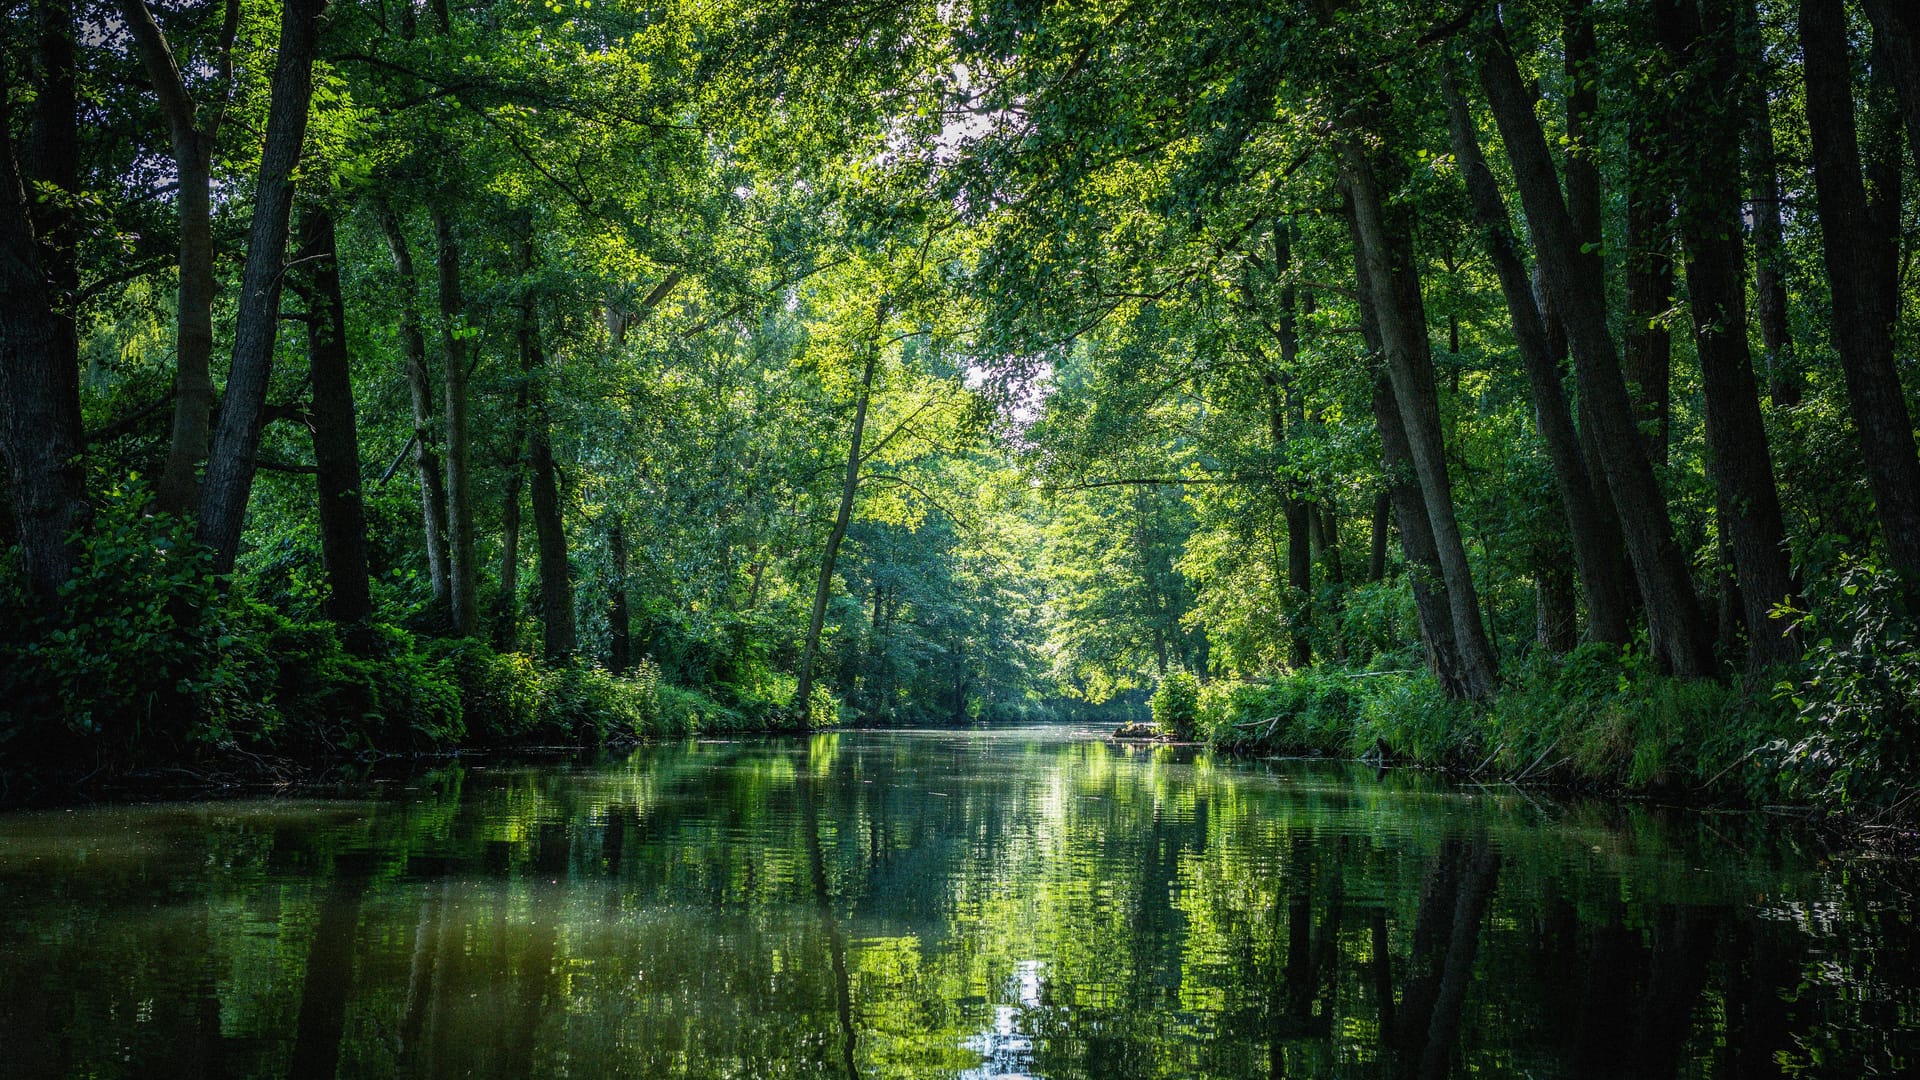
[(938, 904)]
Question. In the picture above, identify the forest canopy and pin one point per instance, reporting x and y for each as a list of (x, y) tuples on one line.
[(1519, 386)]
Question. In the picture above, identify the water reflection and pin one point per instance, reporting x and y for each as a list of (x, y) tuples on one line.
[(942, 905)]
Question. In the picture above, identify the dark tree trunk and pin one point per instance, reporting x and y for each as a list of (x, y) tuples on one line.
[(1577, 293), (556, 579), (193, 143), (506, 616), (1416, 542), (1281, 402), (1392, 281), (1860, 263), (1896, 42), (619, 617), (556, 576), (1409, 509), (1554, 618), (39, 388), (1738, 457), (233, 455), (52, 156), (802, 697), (1785, 384), (1377, 536), (462, 575), (1648, 360), (1594, 537), (336, 438), (1582, 162), (426, 462)]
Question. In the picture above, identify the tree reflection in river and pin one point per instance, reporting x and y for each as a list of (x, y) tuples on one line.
[(926, 905)]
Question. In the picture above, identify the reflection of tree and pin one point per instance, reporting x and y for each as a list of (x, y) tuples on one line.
[(1429, 1019), (329, 974), (808, 910), (836, 937)]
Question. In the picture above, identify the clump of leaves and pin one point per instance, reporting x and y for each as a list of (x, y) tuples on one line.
[(1857, 699), (1176, 704)]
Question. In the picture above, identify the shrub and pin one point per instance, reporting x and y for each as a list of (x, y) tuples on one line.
[(136, 647), (1176, 704), (1856, 703)]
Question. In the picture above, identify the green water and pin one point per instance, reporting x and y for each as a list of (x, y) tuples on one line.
[(937, 904)]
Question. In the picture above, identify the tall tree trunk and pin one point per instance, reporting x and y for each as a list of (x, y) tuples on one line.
[(1282, 403), (1648, 361), (192, 143), (804, 693), (1577, 293), (506, 615), (1594, 537), (556, 577), (550, 535), (1392, 280), (1416, 542), (1582, 157), (1377, 536), (336, 437), (619, 616), (426, 462), (51, 156), (1554, 618), (39, 387), (1896, 42), (1785, 384), (1860, 262), (1738, 457), (234, 451), (462, 574)]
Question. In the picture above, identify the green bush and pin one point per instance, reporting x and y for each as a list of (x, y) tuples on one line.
[(1855, 743), (1176, 704), (137, 646)]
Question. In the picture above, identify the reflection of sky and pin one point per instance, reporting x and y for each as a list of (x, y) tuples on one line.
[(1007, 1053)]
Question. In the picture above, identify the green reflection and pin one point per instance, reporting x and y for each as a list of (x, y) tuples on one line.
[(942, 905)]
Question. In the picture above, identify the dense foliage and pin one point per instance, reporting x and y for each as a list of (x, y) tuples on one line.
[(1526, 388)]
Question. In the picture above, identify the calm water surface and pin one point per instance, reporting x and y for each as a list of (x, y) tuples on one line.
[(1033, 903)]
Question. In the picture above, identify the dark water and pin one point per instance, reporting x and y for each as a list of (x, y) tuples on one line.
[(944, 905)]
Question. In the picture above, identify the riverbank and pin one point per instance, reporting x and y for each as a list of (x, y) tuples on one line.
[(230, 695), (1591, 721)]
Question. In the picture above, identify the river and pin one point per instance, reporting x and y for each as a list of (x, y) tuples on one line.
[(1035, 902)]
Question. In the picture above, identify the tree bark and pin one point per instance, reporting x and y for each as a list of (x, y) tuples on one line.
[(1410, 512), (39, 389), (192, 143), (1393, 283), (336, 438), (803, 694), (1297, 510), (506, 616), (550, 535), (1738, 456), (1860, 262), (619, 615), (1594, 537), (1577, 293), (1648, 360), (232, 456), (556, 576), (1785, 383), (1896, 40), (462, 574), (1377, 548), (426, 462)]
